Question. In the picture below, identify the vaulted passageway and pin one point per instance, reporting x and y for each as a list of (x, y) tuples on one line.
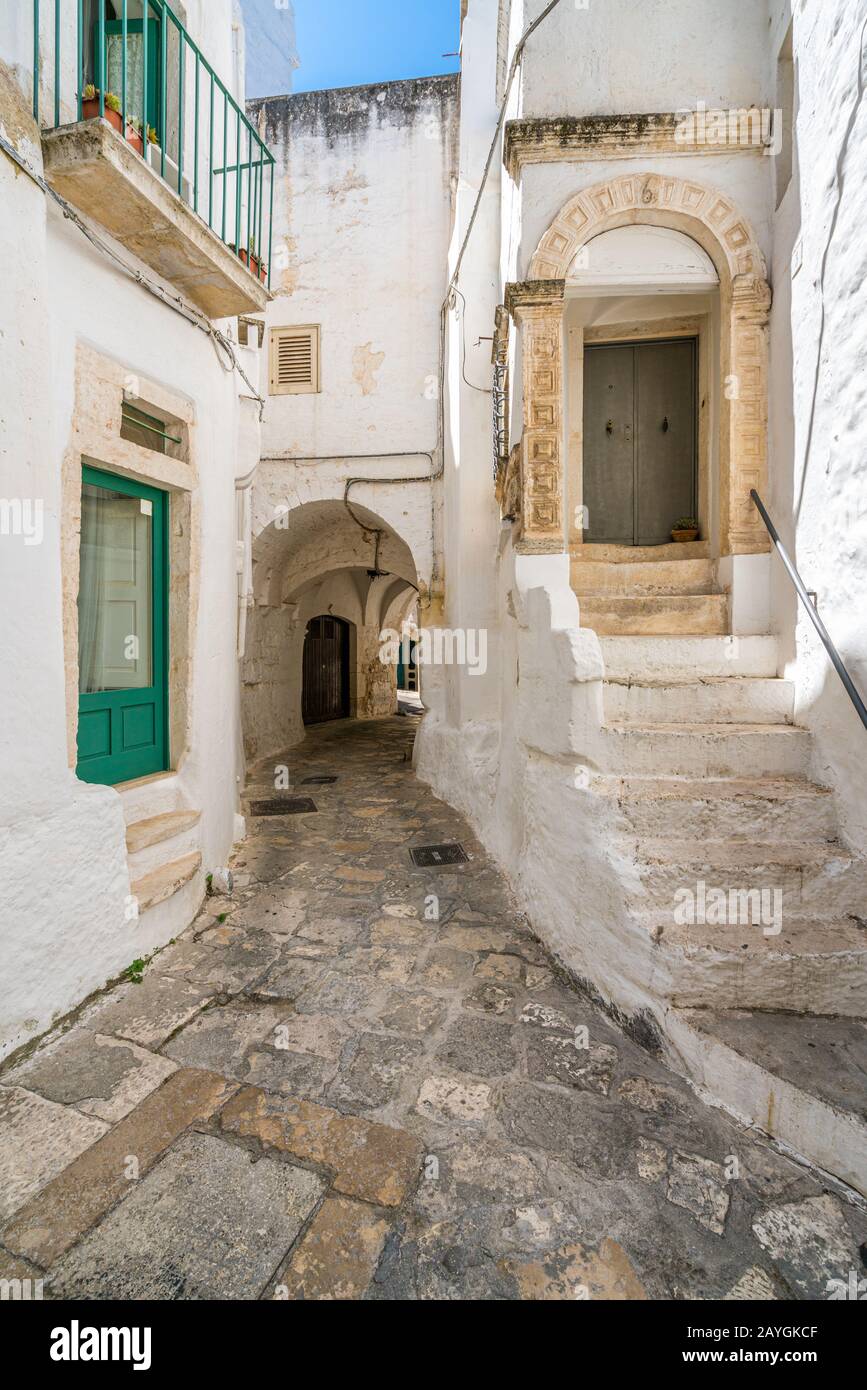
[(328, 580)]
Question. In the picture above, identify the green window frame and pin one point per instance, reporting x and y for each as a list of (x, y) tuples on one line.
[(135, 27), (123, 733)]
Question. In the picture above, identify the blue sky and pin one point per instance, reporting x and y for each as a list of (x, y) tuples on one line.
[(342, 43)]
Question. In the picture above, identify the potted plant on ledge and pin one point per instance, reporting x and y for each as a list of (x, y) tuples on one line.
[(685, 529), (113, 114), (134, 136), (253, 263)]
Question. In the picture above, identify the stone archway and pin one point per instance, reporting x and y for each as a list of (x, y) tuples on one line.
[(716, 224), (315, 561)]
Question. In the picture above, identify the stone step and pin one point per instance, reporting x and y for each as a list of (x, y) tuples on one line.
[(162, 883), (620, 615), (813, 878), (151, 796), (648, 577), (716, 700), (707, 750), (688, 658), (753, 810), (679, 551), (801, 1080), (812, 967), (141, 834)]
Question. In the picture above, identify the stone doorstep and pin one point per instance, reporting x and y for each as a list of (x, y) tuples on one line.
[(797, 1078), (620, 615), (371, 1162)]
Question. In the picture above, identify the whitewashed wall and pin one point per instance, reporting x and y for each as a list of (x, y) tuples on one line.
[(818, 392), (365, 189), (606, 57), (63, 867), (362, 221)]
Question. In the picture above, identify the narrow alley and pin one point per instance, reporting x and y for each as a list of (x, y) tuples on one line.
[(356, 1078)]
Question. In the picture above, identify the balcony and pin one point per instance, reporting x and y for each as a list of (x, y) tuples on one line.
[(141, 135)]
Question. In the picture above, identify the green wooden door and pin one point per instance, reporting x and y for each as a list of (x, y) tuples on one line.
[(122, 629)]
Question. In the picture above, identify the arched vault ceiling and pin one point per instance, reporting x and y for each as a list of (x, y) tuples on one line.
[(319, 538)]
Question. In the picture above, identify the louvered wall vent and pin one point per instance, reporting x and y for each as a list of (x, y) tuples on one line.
[(294, 360)]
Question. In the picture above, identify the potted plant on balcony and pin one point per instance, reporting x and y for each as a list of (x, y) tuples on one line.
[(253, 263), (134, 136), (90, 107), (113, 114), (685, 529), (153, 148)]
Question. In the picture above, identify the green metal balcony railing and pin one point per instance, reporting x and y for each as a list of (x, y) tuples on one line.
[(143, 73)]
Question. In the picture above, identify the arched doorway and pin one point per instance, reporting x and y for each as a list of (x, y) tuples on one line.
[(325, 681), (711, 220)]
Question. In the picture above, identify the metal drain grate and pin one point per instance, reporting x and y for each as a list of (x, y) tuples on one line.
[(432, 856), (283, 806), (318, 781)]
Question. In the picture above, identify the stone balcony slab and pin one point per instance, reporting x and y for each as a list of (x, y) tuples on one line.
[(101, 175)]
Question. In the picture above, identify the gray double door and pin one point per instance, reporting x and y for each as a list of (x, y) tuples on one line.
[(639, 440)]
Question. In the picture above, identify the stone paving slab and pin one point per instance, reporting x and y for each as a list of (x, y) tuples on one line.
[(226, 959), (39, 1139), (338, 1254), (264, 1044), (205, 1223), (21, 1281), (369, 1161), (575, 1273), (87, 1187), (148, 1013), (105, 1077)]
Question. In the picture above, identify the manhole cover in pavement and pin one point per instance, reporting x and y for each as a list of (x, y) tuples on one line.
[(431, 856), (318, 781), (283, 806)]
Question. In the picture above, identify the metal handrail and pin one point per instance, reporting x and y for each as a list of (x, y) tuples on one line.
[(246, 202), (804, 596)]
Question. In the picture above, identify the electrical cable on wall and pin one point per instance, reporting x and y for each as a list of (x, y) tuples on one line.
[(174, 302)]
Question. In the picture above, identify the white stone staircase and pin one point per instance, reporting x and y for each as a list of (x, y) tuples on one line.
[(709, 781)]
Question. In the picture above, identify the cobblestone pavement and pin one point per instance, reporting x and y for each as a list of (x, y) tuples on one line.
[(359, 1079)]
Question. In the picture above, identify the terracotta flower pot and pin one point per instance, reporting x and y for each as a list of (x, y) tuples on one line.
[(134, 138), (685, 535), (253, 264), (90, 112)]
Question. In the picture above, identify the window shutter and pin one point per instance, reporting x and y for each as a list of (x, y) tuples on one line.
[(294, 360)]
